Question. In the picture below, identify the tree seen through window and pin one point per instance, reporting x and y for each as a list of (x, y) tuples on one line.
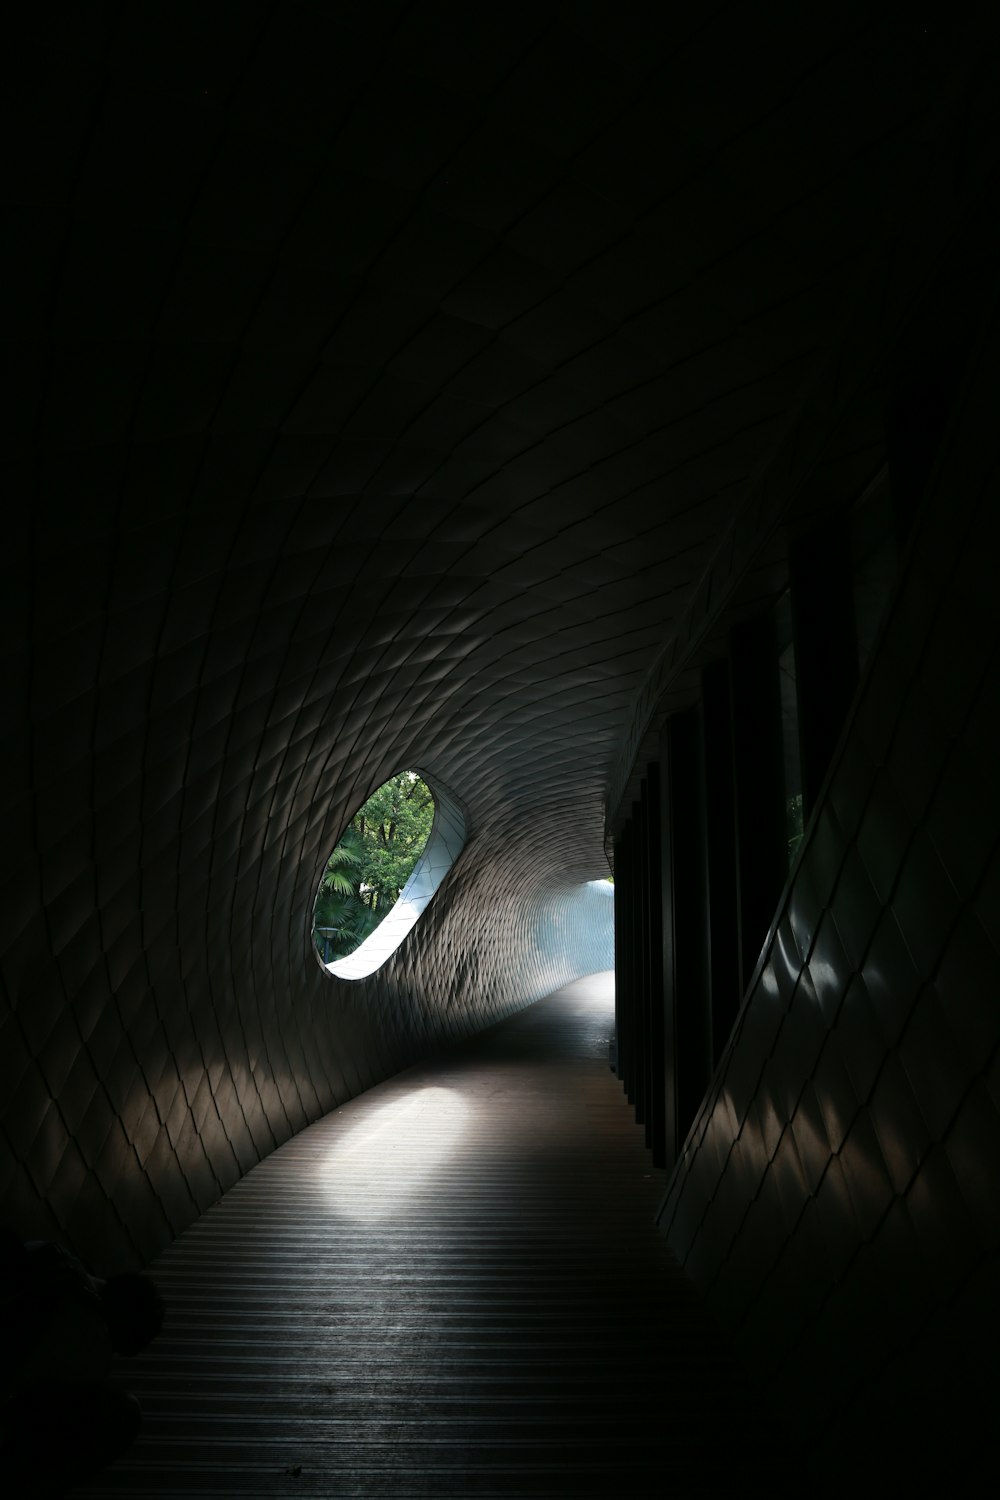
[(371, 864)]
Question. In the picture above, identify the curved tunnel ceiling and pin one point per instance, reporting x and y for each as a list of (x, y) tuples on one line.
[(386, 377)]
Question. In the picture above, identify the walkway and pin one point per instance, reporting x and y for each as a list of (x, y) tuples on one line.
[(451, 1286)]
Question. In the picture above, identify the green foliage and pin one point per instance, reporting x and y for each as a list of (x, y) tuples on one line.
[(340, 877), (373, 861), (393, 827), (341, 923)]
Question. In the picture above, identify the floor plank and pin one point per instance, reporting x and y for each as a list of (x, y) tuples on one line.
[(450, 1286)]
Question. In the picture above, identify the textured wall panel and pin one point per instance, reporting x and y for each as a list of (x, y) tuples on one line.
[(837, 1197), (385, 377)]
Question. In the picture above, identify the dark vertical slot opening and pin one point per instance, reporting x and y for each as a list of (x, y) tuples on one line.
[(874, 559), (668, 936), (657, 1040), (691, 951), (825, 656), (640, 1040), (761, 813), (788, 700), (720, 831)]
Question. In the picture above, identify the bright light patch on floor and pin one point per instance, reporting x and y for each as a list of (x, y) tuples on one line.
[(391, 1155)]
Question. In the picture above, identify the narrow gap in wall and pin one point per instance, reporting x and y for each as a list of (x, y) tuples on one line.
[(791, 754), (874, 561)]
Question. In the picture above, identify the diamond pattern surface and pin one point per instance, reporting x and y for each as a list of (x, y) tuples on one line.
[(385, 377), (837, 1194), (452, 1285)]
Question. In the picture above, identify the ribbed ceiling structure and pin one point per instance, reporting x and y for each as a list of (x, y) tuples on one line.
[(385, 376)]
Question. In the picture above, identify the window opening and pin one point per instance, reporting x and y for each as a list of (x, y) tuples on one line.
[(382, 874), (367, 871)]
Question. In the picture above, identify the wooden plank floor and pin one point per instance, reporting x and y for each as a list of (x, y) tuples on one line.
[(451, 1286)]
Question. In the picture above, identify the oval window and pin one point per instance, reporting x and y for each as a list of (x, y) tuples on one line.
[(381, 876)]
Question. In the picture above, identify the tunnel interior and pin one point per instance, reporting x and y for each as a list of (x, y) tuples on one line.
[(592, 406)]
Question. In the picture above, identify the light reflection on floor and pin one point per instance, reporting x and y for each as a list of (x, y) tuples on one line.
[(451, 1286), (391, 1154)]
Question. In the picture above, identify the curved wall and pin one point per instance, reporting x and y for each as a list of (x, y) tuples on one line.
[(180, 1028), (371, 411), (836, 1196)]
